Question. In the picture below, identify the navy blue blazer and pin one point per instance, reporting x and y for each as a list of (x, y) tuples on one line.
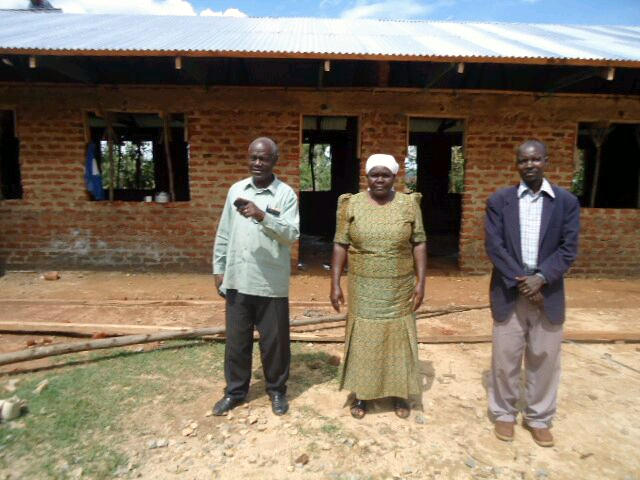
[(558, 248)]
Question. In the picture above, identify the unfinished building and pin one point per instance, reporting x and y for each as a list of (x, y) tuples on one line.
[(168, 105)]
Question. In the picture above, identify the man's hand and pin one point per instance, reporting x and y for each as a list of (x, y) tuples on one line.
[(537, 299), (336, 297), (218, 279), (249, 209), (530, 285), (418, 295)]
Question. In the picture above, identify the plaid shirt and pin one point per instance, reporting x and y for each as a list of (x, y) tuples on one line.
[(530, 206)]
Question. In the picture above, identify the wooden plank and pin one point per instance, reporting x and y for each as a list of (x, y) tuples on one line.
[(10, 326), (324, 56), (141, 303), (594, 337)]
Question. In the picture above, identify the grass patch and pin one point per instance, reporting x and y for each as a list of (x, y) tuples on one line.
[(310, 367), (80, 419), (85, 416), (330, 428)]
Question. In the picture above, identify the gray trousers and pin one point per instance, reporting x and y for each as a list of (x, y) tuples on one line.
[(527, 332)]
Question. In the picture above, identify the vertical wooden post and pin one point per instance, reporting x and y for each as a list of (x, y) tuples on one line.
[(637, 135), (1, 160), (384, 73), (312, 147), (119, 168), (110, 139), (138, 165), (167, 150), (598, 135)]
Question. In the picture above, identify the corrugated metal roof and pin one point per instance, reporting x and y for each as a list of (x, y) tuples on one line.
[(110, 34)]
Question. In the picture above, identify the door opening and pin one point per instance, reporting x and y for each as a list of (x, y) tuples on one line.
[(329, 167), (435, 168)]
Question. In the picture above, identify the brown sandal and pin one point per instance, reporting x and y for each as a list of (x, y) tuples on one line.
[(402, 408), (358, 409)]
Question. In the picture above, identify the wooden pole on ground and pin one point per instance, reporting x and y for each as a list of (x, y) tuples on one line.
[(125, 340)]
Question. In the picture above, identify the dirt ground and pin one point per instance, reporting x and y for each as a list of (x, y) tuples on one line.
[(597, 426), (117, 302)]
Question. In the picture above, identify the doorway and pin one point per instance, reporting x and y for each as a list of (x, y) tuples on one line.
[(329, 167), (435, 168)]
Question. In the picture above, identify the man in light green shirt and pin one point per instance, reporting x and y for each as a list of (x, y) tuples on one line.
[(251, 265)]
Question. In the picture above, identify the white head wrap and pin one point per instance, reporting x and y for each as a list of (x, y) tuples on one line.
[(382, 160)]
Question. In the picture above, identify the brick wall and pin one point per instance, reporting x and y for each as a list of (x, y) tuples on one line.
[(383, 132), (55, 225)]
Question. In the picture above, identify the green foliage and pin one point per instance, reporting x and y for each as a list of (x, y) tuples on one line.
[(127, 157), (321, 158), (456, 174), (411, 169), (577, 184)]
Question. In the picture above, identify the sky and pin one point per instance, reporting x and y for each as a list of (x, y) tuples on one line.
[(623, 12)]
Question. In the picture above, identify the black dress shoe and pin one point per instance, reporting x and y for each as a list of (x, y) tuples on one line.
[(225, 404), (279, 403)]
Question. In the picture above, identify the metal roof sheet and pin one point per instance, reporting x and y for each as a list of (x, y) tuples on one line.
[(360, 38)]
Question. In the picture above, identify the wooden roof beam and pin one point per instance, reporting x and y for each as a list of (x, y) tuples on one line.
[(577, 77), (438, 71)]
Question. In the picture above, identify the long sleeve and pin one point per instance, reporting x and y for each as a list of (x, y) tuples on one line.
[(284, 228), (221, 244), (494, 240), (555, 265)]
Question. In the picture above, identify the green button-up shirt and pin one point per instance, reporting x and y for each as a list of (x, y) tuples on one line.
[(255, 257)]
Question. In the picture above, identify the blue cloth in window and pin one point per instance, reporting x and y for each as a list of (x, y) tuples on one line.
[(92, 177)]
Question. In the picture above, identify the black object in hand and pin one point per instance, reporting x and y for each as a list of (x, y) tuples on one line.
[(240, 202)]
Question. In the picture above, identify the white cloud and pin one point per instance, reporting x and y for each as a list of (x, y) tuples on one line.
[(151, 7), (229, 12), (389, 9), (14, 3)]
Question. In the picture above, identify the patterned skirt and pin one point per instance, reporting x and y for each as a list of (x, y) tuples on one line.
[(381, 349)]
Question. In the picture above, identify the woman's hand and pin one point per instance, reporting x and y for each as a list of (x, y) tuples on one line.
[(420, 262), (418, 295), (338, 259), (336, 297)]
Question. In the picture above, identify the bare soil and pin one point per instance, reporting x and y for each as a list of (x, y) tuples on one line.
[(597, 427)]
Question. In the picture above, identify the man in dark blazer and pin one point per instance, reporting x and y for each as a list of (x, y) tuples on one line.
[(531, 237)]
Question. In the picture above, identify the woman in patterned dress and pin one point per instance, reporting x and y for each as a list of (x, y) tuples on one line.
[(381, 232)]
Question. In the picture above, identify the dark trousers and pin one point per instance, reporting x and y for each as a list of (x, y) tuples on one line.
[(271, 317)]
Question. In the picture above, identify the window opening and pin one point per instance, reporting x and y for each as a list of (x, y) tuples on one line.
[(10, 178), (607, 171), (141, 156)]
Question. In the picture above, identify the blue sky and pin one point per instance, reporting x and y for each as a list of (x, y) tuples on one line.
[(564, 11), (526, 11)]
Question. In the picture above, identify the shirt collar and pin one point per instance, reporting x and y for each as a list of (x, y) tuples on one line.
[(546, 188), (272, 187)]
